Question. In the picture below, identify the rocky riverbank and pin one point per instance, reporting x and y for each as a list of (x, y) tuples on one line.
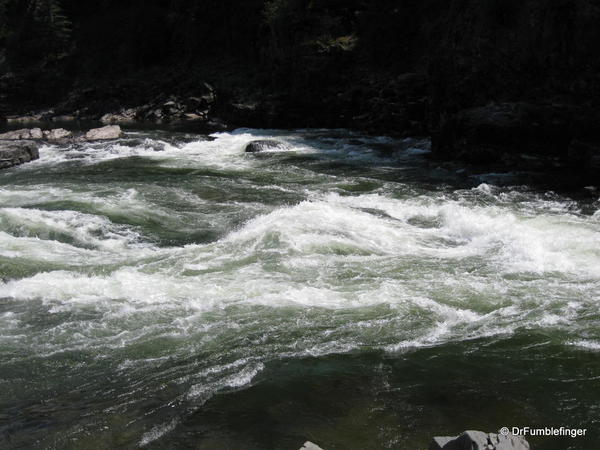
[(21, 146), (510, 135)]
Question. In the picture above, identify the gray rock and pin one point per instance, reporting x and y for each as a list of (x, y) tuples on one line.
[(262, 145), (13, 135), (15, 154), (57, 134), (310, 446), (36, 133), (25, 133), (478, 440), (107, 132)]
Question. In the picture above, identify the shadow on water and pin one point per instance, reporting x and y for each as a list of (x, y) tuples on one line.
[(365, 400), (375, 401)]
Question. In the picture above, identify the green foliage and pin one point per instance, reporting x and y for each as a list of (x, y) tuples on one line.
[(51, 21), (307, 27)]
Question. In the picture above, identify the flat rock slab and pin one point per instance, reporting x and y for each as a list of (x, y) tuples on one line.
[(478, 440), (36, 134), (14, 154), (25, 133)]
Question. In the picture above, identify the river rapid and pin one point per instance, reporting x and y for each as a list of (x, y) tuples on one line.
[(171, 291)]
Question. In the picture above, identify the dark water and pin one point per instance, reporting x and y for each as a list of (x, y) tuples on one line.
[(167, 291)]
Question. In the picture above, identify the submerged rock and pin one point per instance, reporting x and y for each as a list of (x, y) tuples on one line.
[(15, 154), (107, 132), (262, 145), (478, 440)]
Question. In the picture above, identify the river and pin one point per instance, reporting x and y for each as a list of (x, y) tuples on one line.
[(171, 291)]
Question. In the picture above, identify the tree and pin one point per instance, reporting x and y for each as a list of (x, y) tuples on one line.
[(34, 32)]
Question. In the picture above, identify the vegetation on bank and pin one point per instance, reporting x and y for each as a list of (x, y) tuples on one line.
[(496, 48)]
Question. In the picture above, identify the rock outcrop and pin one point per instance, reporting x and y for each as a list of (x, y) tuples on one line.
[(127, 115), (13, 154), (162, 108), (477, 440)]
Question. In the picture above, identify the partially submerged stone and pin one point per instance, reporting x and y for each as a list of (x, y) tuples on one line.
[(262, 145), (107, 132)]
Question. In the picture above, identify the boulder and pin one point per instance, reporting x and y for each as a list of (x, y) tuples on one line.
[(478, 440), (15, 154), (104, 133), (57, 134), (25, 133), (262, 145)]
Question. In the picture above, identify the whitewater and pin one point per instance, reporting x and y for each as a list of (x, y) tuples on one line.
[(169, 290)]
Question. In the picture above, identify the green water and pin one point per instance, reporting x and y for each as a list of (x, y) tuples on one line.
[(170, 291)]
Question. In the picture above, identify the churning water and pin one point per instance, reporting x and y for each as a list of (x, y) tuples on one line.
[(169, 291)]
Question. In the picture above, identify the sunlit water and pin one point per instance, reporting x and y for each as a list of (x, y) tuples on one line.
[(169, 291)]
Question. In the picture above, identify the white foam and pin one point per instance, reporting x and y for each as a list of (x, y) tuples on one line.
[(84, 229), (587, 344), (226, 380), (157, 432), (449, 266)]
